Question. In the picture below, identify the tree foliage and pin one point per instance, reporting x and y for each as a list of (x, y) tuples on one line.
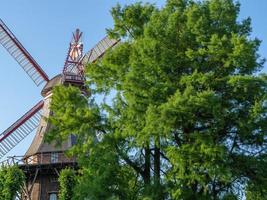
[(11, 182), (188, 113), (67, 183)]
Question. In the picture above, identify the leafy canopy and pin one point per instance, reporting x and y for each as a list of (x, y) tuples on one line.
[(11, 182), (187, 119), (66, 182)]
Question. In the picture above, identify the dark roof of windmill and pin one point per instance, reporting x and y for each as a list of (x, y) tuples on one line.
[(40, 146), (57, 80)]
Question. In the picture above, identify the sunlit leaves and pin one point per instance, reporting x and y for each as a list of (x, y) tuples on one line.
[(184, 90), (12, 181)]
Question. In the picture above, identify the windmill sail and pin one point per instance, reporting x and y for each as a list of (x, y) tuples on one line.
[(73, 71), (99, 50), (21, 55), (20, 129)]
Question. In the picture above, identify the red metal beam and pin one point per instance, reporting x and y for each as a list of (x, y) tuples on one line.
[(24, 51), (22, 120)]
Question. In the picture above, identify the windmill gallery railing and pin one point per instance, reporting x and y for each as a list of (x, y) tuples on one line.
[(47, 158)]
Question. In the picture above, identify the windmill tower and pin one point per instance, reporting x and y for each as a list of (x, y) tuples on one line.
[(43, 162)]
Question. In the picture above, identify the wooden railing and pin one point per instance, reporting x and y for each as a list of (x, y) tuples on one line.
[(38, 159)]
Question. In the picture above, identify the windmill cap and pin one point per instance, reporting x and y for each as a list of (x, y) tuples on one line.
[(57, 80)]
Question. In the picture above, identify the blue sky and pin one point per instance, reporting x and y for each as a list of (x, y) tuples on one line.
[(44, 28)]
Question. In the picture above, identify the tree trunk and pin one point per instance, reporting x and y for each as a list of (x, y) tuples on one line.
[(157, 166), (158, 189), (147, 166)]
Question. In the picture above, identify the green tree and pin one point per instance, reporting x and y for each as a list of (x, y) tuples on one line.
[(188, 112), (11, 182), (256, 192), (66, 184), (101, 174)]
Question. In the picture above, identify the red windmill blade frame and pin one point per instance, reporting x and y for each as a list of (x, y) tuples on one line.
[(21, 55), (20, 129), (28, 122)]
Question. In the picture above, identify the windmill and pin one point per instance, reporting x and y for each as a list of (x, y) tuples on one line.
[(42, 161)]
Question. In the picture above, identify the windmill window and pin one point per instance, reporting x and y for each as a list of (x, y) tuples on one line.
[(54, 157), (73, 139), (41, 129), (53, 196), (54, 179)]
